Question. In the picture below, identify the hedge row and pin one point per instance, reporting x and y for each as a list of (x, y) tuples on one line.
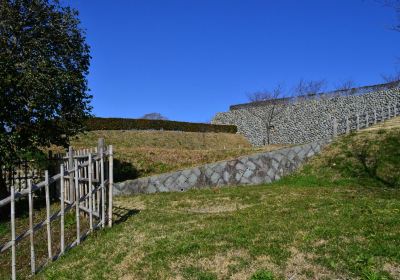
[(143, 124)]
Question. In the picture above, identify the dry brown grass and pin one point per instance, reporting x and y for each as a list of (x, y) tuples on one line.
[(145, 153)]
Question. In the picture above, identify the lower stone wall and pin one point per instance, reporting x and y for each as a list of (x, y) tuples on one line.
[(247, 170)]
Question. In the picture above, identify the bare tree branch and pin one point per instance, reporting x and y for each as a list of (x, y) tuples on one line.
[(309, 88), (391, 78), (268, 114)]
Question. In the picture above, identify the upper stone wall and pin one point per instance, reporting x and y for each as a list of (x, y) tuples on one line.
[(305, 120)]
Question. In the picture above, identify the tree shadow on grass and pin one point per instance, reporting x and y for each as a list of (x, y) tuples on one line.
[(124, 171)]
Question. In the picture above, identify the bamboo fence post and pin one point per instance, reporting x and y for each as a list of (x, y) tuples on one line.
[(62, 238), (90, 192), (47, 191), (97, 168), (13, 253), (30, 198), (71, 180), (78, 227), (111, 184), (103, 201), (334, 127), (375, 119), (347, 125), (358, 122), (389, 112), (366, 120)]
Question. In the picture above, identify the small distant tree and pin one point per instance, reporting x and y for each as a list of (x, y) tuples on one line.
[(154, 116), (44, 61), (391, 78), (345, 87), (268, 114), (309, 89)]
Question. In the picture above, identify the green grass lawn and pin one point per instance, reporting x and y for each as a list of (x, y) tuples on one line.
[(337, 218)]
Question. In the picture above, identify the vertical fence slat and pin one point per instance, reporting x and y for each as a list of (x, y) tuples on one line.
[(358, 122), (30, 198), (335, 126), (90, 189), (111, 184), (13, 249), (78, 226), (48, 224), (71, 180), (103, 196), (62, 199)]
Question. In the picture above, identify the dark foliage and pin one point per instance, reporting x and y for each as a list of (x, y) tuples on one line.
[(44, 61), (142, 124)]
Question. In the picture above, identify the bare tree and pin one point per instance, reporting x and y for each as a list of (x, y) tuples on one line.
[(308, 89), (268, 114), (345, 87), (391, 78), (154, 116)]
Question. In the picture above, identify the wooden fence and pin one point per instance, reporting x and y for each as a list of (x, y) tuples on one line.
[(84, 184), (359, 121), (20, 173)]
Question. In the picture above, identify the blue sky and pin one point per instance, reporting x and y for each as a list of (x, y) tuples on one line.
[(190, 59)]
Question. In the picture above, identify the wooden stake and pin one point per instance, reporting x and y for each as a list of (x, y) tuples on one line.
[(334, 127), (13, 252), (111, 184), (358, 121), (78, 226), (71, 181), (90, 192), (62, 199), (30, 198), (103, 195), (347, 126), (47, 191)]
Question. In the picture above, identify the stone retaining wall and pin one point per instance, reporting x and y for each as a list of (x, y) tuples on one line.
[(247, 170), (305, 120)]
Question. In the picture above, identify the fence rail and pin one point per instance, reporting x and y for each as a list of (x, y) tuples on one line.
[(84, 184), (366, 119)]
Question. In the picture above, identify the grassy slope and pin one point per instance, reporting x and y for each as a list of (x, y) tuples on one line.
[(143, 153), (327, 221)]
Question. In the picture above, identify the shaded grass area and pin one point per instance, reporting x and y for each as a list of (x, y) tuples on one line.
[(330, 220), (145, 153)]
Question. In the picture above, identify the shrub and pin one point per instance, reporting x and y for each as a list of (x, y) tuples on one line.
[(144, 124)]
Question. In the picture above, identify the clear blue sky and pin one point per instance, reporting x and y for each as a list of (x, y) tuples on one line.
[(189, 59)]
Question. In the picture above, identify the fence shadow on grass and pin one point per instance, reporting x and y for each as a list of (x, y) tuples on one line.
[(122, 214)]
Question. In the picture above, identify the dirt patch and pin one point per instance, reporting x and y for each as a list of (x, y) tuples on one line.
[(300, 266), (219, 264), (393, 269), (219, 208)]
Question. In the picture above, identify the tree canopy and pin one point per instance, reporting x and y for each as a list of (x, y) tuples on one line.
[(44, 61)]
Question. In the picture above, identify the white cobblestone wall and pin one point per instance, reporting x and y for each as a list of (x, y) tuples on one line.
[(307, 120)]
